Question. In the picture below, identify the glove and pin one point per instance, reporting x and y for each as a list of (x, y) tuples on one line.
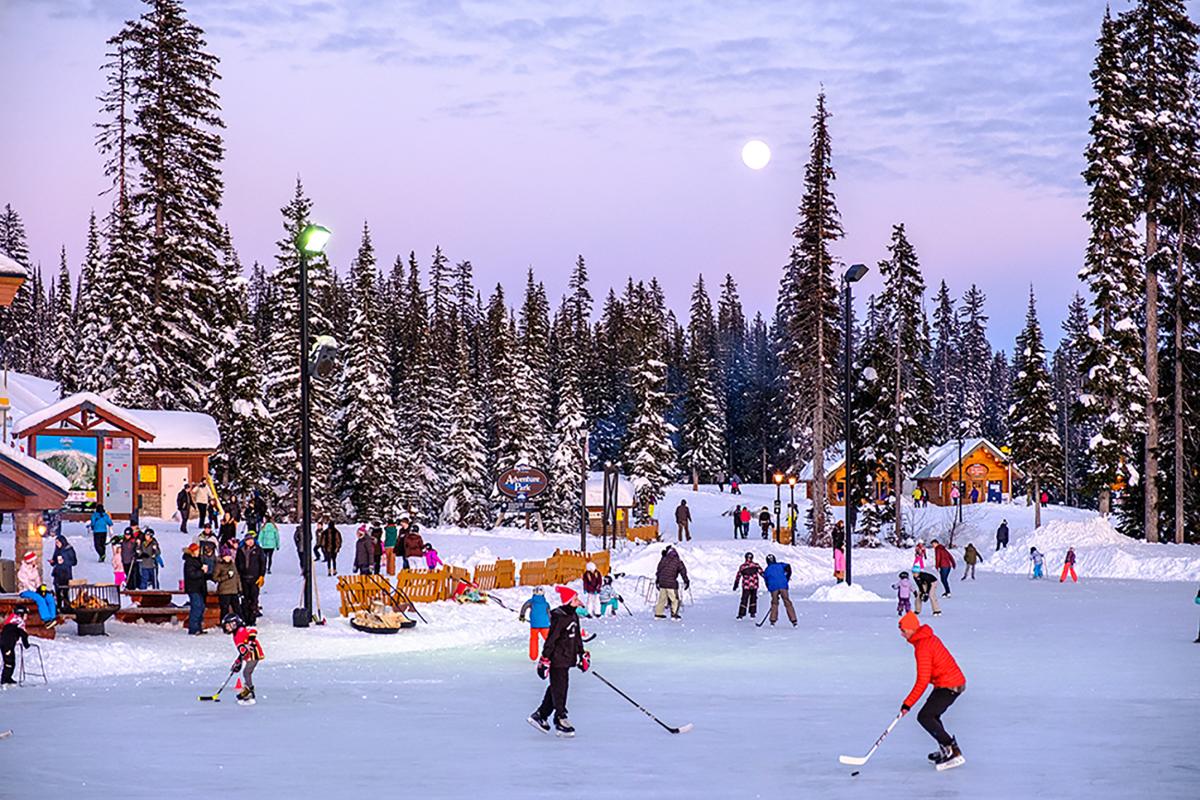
[(585, 661), (687, 586), (543, 668), (259, 581), (904, 708), (622, 599), (236, 666)]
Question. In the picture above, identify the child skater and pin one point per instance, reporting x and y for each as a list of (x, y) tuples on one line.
[(250, 652), (1038, 560), (903, 594), (608, 597), (539, 620)]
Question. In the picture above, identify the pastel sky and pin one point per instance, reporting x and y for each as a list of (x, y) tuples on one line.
[(520, 133)]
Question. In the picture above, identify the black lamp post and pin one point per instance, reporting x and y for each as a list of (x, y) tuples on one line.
[(853, 275), (310, 241), (778, 501), (792, 506)]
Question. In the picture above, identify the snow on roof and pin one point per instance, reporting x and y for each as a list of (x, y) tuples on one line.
[(38, 468), (10, 268), (595, 490), (942, 459), (54, 409), (834, 459), (180, 430)]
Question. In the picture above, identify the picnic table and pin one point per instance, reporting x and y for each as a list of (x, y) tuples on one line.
[(154, 605)]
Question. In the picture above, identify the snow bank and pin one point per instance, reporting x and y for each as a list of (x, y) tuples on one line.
[(841, 593)]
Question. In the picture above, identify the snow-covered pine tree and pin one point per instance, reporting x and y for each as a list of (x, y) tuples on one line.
[(368, 454), (568, 468), (809, 311), (908, 399), (240, 465), (704, 419), (17, 320), (89, 344), (1067, 377), (945, 365), (976, 354), (281, 385), (533, 342), (649, 451), (63, 330), (1035, 444), (467, 476), (1113, 397), (609, 407), (1159, 46), (177, 145), (733, 379), (764, 439), (995, 420), (872, 408)]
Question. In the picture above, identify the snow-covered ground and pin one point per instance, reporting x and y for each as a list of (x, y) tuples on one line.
[(1074, 690)]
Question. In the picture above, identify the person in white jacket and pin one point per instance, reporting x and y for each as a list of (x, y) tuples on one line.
[(28, 577)]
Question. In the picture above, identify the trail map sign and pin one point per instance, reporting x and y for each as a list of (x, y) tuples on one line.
[(522, 483)]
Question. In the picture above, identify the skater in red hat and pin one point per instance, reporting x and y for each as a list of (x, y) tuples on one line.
[(934, 665), (563, 649)]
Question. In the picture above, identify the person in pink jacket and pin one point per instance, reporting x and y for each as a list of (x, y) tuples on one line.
[(432, 561), (919, 556)]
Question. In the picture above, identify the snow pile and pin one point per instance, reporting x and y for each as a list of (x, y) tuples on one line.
[(841, 593), (1100, 552)]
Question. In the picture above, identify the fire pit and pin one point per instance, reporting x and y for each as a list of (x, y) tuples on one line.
[(92, 604)]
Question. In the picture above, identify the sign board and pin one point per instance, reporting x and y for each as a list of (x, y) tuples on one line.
[(75, 458), (522, 482), (118, 474), (977, 470)]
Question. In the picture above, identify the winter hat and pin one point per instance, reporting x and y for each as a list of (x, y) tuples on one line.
[(193, 548), (538, 590), (903, 574), (608, 580), (30, 557), (362, 529), (910, 622), (749, 556), (566, 594), (770, 558), (591, 566)]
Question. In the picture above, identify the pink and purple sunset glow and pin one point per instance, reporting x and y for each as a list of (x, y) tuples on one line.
[(518, 134)]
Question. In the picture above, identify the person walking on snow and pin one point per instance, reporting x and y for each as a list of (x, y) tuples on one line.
[(101, 523), (251, 567), (201, 497), (747, 575), (539, 620), (683, 516), (1038, 560), (608, 597), (195, 583), (1002, 535), (934, 665), (592, 581), (183, 504), (777, 575), (744, 516), (562, 651), (764, 522), (666, 578), (1069, 567), (330, 542), (903, 589), (228, 585), (249, 653), (148, 554), (737, 520), (945, 563), (735, 484), (919, 556), (268, 540), (432, 559), (926, 591), (413, 546), (971, 557)]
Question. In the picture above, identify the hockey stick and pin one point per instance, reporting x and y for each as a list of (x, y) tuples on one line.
[(759, 624), (858, 761), (216, 698), (680, 729)]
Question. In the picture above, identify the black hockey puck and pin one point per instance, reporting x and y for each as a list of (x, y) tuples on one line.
[(852, 774)]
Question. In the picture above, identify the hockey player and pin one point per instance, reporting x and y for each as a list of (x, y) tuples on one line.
[(250, 652), (563, 650), (903, 589), (777, 575), (747, 575), (609, 599), (934, 665)]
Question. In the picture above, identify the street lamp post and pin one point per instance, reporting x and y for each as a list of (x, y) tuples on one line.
[(853, 275), (778, 501), (792, 506), (310, 241)]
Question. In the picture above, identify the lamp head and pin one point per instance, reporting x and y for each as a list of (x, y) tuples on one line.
[(855, 273), (791, 480), (313, 238), (778, 477)]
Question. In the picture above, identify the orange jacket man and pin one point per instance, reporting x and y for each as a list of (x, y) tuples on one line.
[(934, 665)]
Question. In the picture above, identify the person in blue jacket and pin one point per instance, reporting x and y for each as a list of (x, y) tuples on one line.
[(539, 621), (100, 524), (777, 574)]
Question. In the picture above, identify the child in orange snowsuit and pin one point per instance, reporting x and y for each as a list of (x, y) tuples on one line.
[(539, 621)]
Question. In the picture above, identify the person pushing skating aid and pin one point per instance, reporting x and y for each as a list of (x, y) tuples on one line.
[(563, 649), (250, 652), (934, 665)]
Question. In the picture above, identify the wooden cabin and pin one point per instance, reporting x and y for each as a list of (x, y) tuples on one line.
[(986, 471), (126, 459), (835, 479)]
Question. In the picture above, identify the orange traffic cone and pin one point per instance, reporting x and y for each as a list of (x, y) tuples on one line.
[(238, 685)]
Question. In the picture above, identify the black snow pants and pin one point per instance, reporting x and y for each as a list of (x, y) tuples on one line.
[(10, 664), (99, 540), (749, 603), (930, 715), (250, 600), (555, 699)]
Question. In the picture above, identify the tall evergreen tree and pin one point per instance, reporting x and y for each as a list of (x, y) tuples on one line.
[(733, 379), (995, 419), (704, 420), (568, 467), (17, 320), (89, 344), (946, 365), (1068, 386), (649, 451), (1035, 445), (65, 344), (467, 474), (976, 355)]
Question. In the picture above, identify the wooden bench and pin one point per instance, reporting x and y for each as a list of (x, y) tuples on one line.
[(506, 573), (424, 587), (155, 606), (34, 625)]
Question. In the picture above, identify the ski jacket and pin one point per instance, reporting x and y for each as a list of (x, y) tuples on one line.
[(745, 516), (1070, 559), (226, 576), (777, 576), (194, 577), (251, 563), (14, 630), (330, 539), (364, 552), (747, 575), (432, 559), (607, 593), (101, 522), (925, 582), (764, 517), (1002, 532), (129, 548), (942, 558), (1037, 557), (227, 531), (670, 570), (200, 494), (564, 644), (539, 611), (683, 513), (971, 555), (919, 555), (903, 589), (148, 552), (28, 577), (934, 665), (183, 501), (414, 545), (592, 581), (390, 532), (268, 536), (245, 639), (64, 561)]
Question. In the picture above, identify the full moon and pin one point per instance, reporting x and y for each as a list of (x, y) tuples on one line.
[(756, 154)]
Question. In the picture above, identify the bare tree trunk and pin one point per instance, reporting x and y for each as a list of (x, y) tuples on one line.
[(695, 479), (1105, 501), (1150, 476), (1037, 503), (1179, 465)]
